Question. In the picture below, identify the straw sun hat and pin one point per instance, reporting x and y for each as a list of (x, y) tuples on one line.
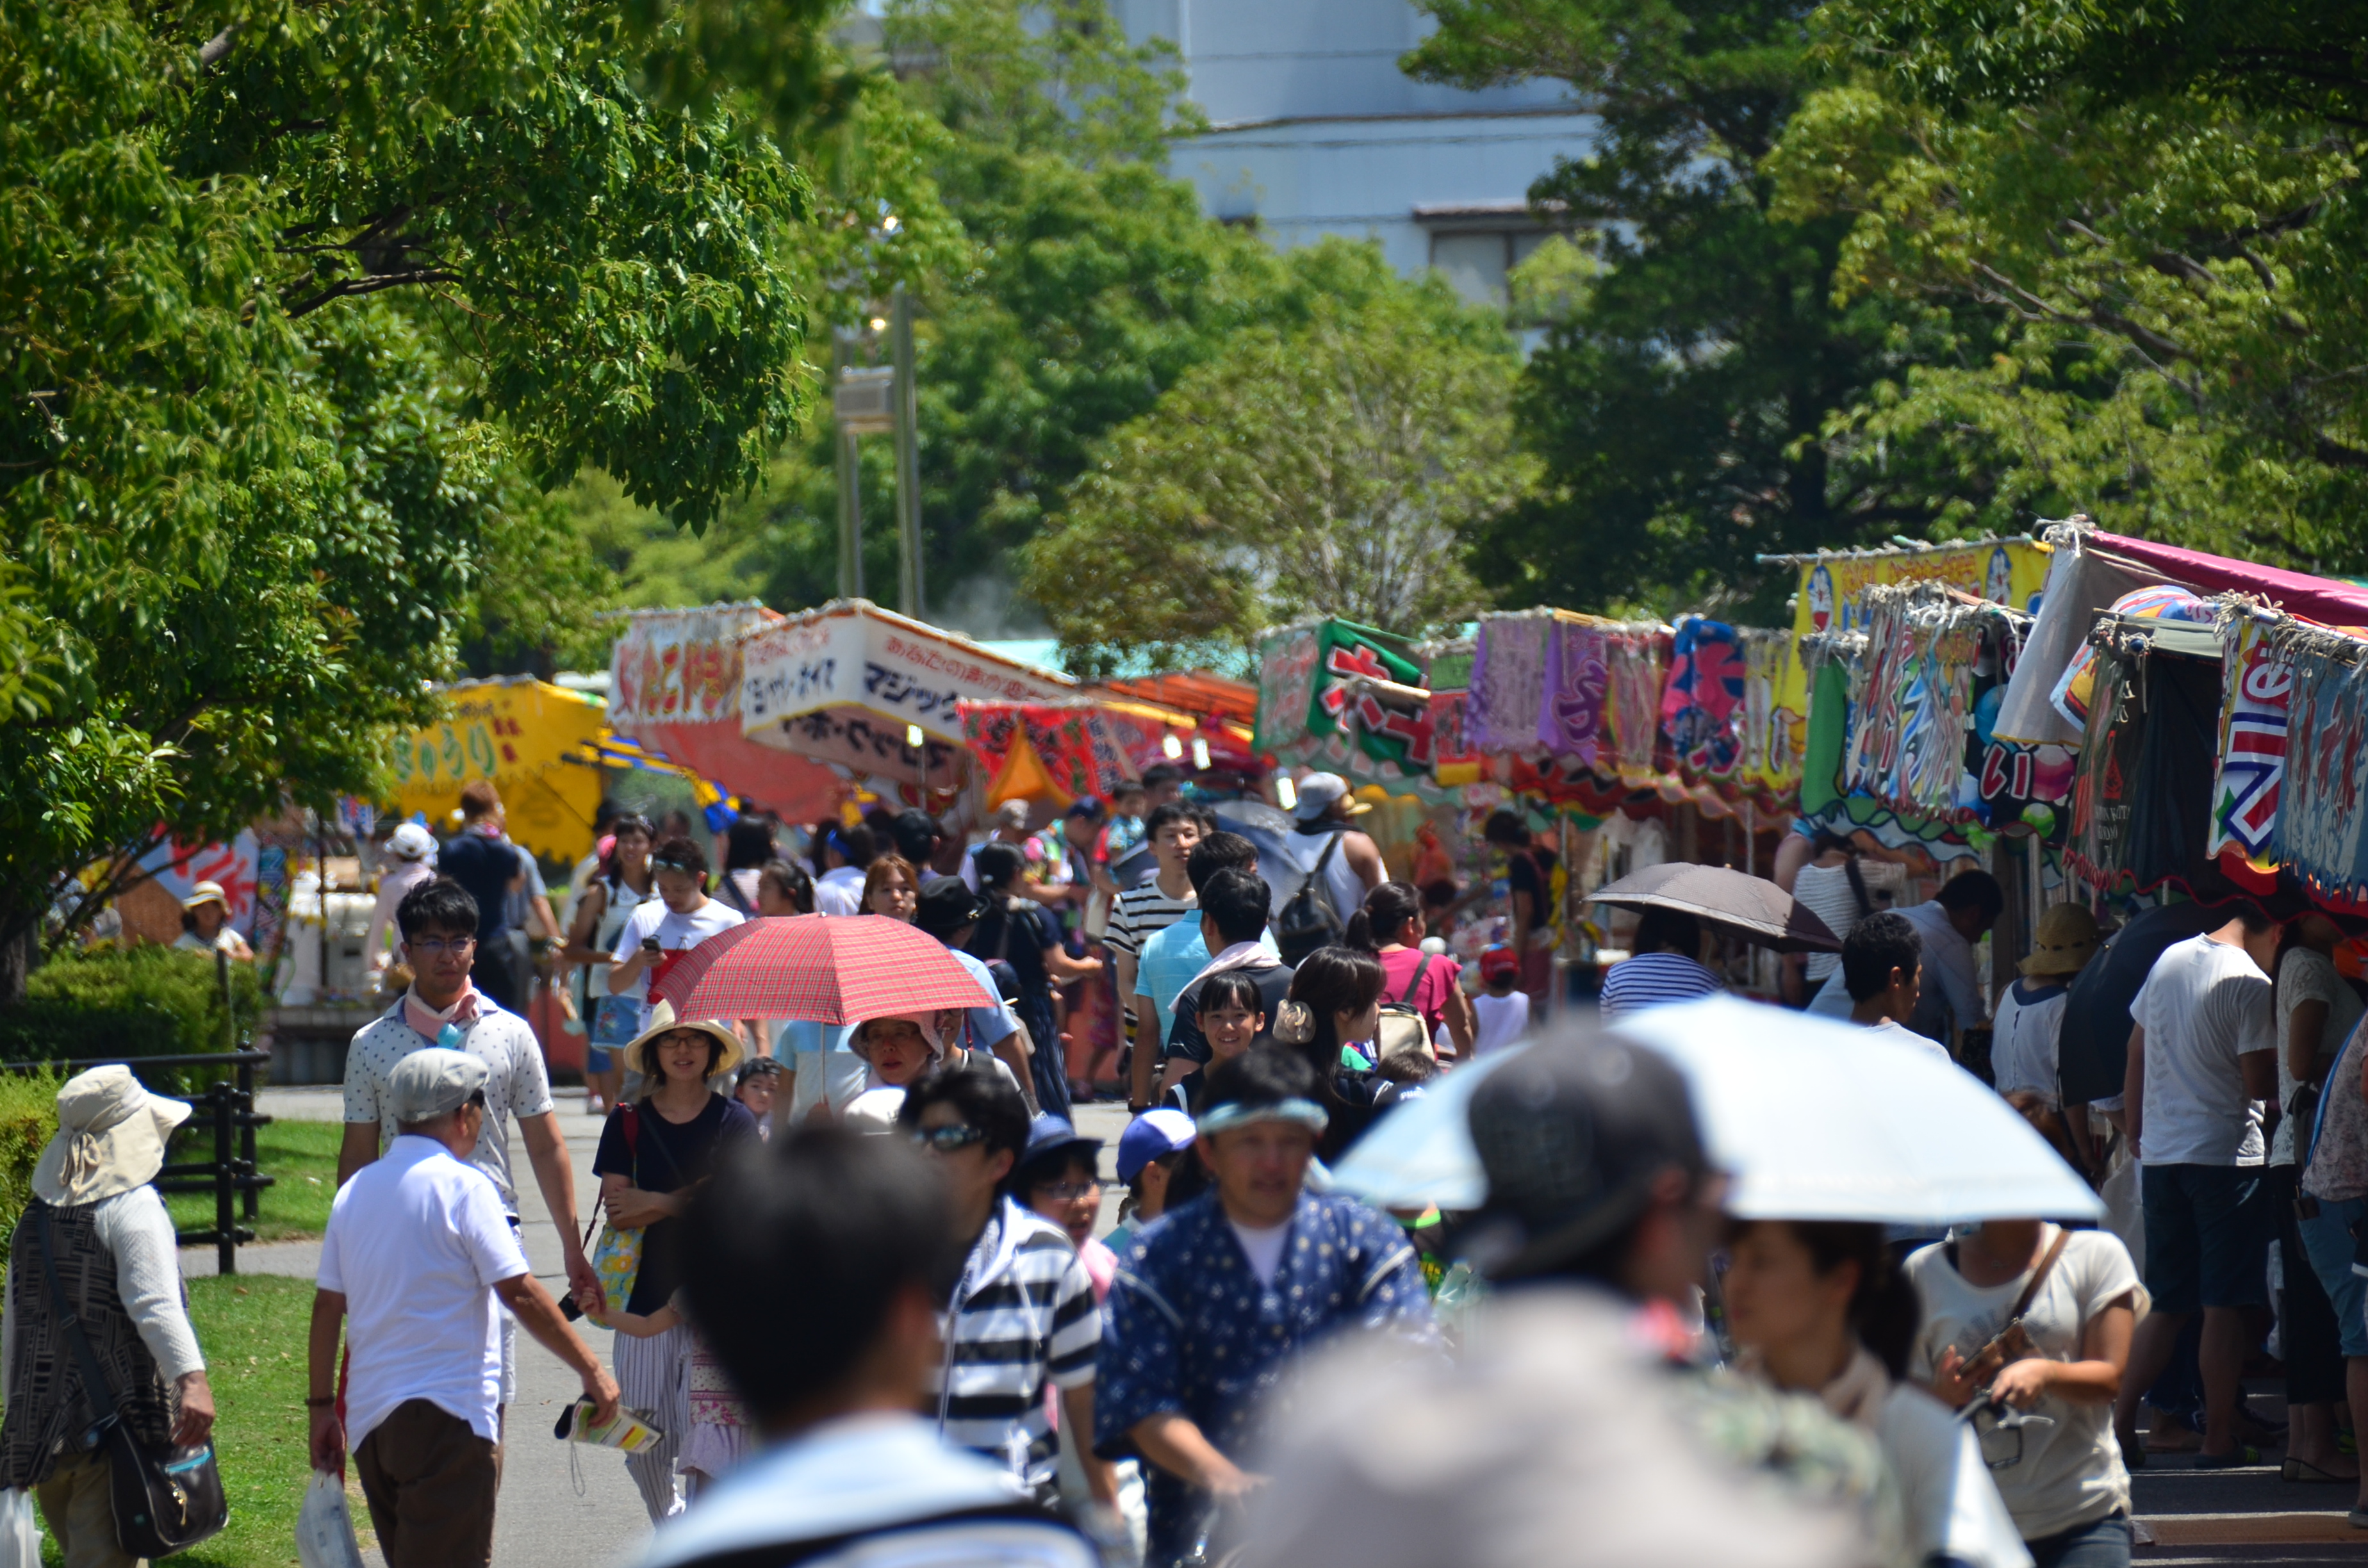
[(2063, 943), (110, 1137), (663, 1022)]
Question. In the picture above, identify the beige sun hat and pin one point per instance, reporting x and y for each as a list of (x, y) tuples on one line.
[(206, 892), (110, 1139), (663, 1022)]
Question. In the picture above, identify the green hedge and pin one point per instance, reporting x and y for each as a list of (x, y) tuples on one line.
[(28, 1119), (145, 1001)]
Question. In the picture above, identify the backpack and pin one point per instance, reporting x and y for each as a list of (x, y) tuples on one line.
[(1401, 1045), (1308, 918)]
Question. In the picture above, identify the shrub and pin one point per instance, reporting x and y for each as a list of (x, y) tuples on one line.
[(143, 1001), (29, 1117)]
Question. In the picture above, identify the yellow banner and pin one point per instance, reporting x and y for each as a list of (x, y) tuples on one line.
[(518, 733), (1832, 598)]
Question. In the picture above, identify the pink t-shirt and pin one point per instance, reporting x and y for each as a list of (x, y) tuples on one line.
[(1429, 997)]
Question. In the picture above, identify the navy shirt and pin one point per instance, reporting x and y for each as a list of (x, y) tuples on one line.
[(485, 866), (666, 1157)]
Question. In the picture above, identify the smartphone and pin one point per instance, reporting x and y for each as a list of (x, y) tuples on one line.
[(650, 945)]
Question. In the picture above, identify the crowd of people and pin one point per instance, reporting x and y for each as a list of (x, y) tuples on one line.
[(866, 1304)]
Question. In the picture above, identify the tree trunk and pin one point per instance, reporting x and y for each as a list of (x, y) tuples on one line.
[(20, 951)]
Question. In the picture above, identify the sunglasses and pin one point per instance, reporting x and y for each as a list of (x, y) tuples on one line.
[(947, 1139), (676, 866)]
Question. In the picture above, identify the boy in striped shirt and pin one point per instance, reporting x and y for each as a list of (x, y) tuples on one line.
[(1023, 1316)]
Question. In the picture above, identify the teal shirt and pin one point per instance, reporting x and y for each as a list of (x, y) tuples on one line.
[(1171, 958)]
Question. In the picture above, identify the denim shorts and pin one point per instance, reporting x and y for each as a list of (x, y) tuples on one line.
[(2208, 1235), (2328, 1239)]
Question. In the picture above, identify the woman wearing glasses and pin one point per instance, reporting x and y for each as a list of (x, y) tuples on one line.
[(653, 1153), (898, 1049)]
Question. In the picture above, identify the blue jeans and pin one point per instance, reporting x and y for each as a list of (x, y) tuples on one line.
[(2103, 1544)]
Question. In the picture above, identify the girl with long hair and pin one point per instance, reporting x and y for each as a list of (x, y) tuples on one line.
[(1336, 1001)]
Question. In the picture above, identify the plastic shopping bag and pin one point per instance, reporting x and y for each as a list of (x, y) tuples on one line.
[(20, 1534), (325, 1530)]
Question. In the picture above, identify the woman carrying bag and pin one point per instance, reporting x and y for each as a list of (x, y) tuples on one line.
[(96, 1240), (653, 1153)]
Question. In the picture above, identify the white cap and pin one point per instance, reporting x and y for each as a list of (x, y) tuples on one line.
[(1316, 793), (432, 1082), (412, 842)]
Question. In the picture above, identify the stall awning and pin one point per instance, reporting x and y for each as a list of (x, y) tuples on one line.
[(844, 685), (675, 685), (526, 737)]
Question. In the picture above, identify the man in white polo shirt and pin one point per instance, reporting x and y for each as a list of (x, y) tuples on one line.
[(416, 1252)]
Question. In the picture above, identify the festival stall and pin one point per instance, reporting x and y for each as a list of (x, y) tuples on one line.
[(528, 738), (874, 699), (674, 689)]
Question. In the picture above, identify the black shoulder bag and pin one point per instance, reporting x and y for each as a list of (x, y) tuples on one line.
[(165, 1499)]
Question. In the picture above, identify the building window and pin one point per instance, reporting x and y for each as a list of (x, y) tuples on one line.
[(1475, 248)]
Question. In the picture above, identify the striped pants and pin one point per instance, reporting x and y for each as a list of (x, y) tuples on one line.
[(653, 1375)]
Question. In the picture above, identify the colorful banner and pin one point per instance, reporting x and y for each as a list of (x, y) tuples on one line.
[(527, 738), (2320, 826), (1311, 709), (844, 685), (1508, 682), (1773, 740), (1572, 717), (1026, 751), (1831, 599), (2258, 688), (178, 867), (1912, 702), (674, 685), (1703, 700), (1639, 658)]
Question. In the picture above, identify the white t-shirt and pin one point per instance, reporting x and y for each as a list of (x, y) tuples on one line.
[(2308, 975), (839, 890), (1499, 1021), (1262, 1245), (2070, 1473), (2205, 1004), (675, 932), (517, 1083), (1897, 1033), (2022, 1040), (416, 1241), (1951, 1507)]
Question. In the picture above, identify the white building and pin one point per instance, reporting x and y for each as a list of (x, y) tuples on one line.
[(1316, 132)]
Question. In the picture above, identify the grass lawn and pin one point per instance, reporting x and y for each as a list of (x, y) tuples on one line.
[(253, 1329), (302, 1159)]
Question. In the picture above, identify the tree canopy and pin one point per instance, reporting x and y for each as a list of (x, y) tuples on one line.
[(1336, 467), (303, 312)]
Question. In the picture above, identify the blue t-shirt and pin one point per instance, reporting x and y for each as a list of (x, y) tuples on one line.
[(485, 866), (1172, 956)]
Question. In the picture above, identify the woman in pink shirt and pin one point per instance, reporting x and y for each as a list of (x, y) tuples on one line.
[(1390, 927)]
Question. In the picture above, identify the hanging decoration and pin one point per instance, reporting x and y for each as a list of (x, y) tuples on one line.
[(2318, 832), (1703, 702), (1508, 682), (1029, 750), (2254, 718), (1341, 695), (1911, 702)]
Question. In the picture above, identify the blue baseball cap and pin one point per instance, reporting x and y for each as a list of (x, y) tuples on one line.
[(1154, 1135)]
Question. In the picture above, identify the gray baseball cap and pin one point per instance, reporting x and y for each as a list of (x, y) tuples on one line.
[(430, 1083)]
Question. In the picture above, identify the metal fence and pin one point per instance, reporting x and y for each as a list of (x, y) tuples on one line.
[(231, 1175)]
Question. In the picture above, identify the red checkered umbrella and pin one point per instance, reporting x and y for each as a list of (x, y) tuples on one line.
[(831, 969)]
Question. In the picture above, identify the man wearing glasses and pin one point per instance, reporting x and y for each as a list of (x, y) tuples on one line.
[(1023, 1316), (437, 921)]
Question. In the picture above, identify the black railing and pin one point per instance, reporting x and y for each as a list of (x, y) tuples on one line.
[(231, 1108)]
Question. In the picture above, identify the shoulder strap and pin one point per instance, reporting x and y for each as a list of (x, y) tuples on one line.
[(96, 1388), (1415, 984), (2038, 1276), (1331, 842)]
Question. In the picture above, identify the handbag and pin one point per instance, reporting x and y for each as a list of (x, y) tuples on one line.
[(2011, 1343), (617, 1256), (166, 1498)]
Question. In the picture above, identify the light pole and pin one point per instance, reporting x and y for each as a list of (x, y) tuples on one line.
[(909, 595), (860, 405)]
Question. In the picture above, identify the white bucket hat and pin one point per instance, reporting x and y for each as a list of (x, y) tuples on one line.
[(663, 1022), (110, 1139), (413, 842)]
